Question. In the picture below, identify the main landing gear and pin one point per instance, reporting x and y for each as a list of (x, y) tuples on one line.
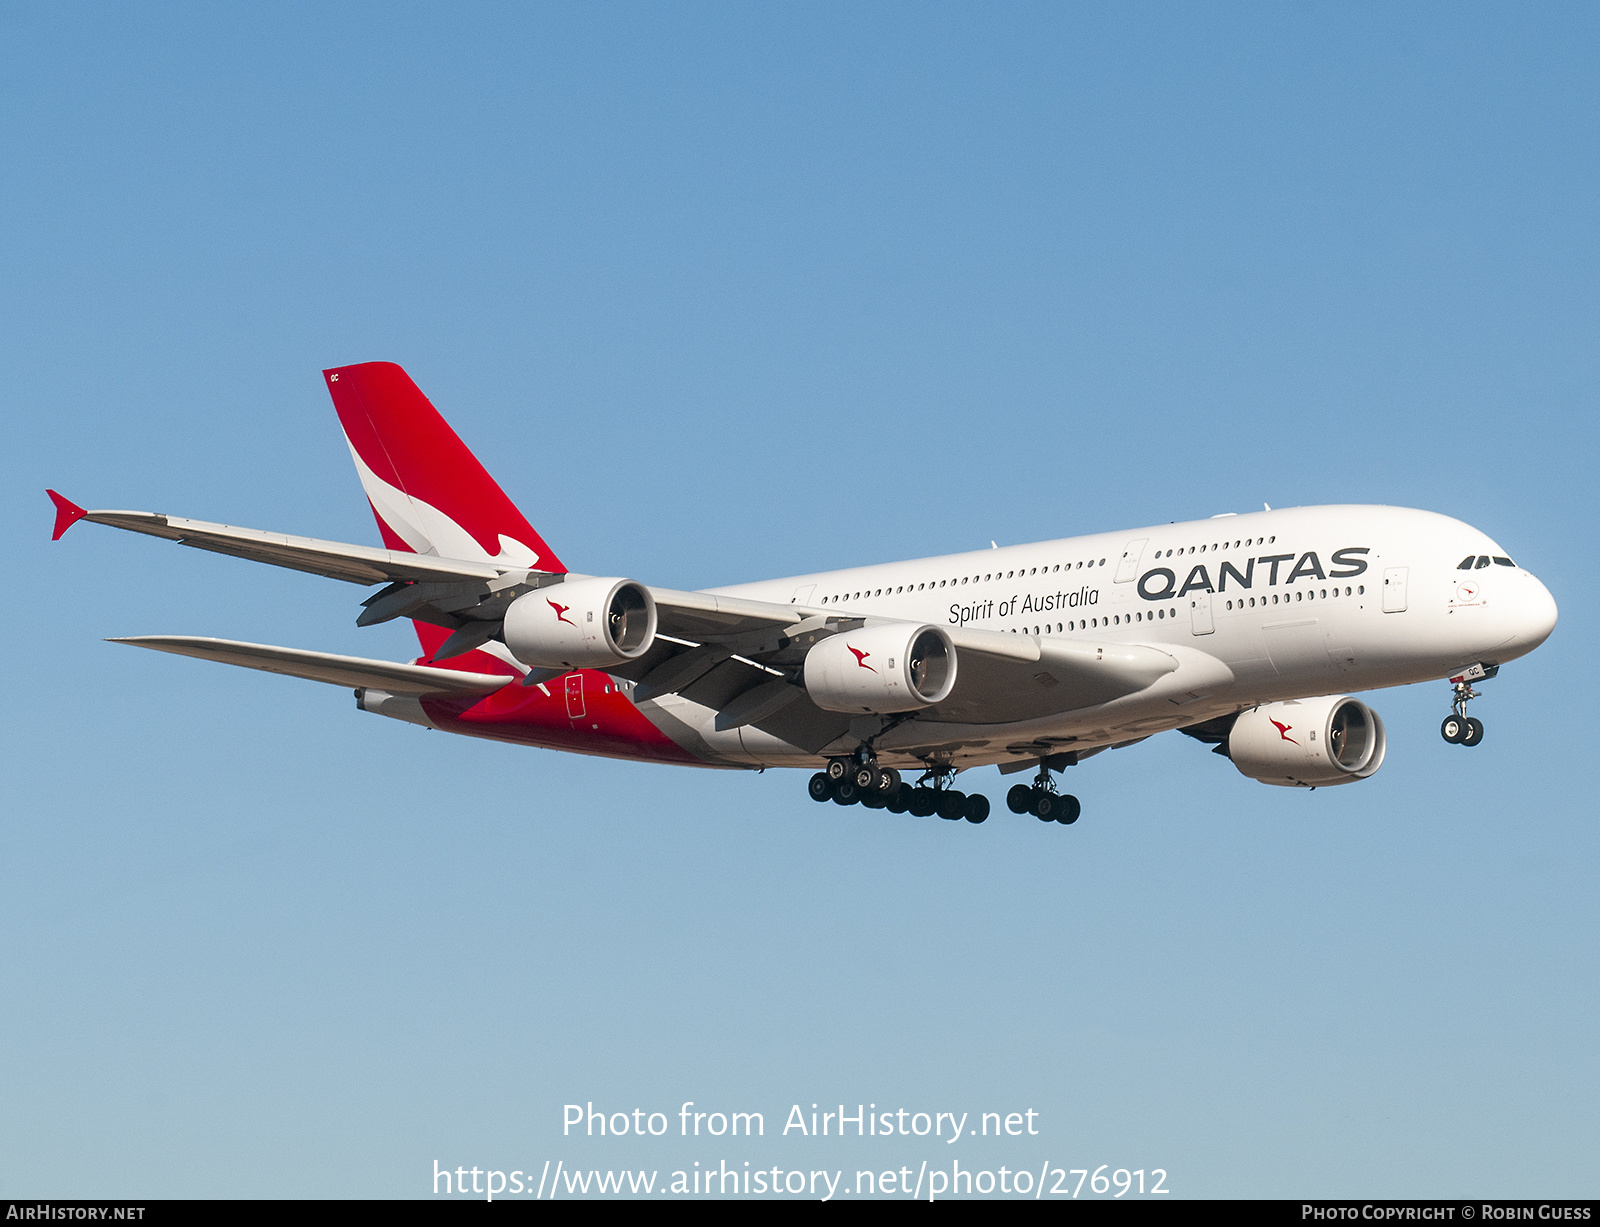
[(1043, 801), (852, 782), (1460, 729), (860, 781)]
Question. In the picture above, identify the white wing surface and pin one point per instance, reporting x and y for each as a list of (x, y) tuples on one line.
[(354, 672)]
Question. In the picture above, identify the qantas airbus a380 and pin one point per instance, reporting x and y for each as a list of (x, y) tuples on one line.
[(1242, 631)]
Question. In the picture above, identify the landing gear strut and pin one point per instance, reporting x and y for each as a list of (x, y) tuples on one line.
[(1460, 729), (1043, 801)]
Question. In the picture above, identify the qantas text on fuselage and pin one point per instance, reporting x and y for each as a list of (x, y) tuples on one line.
[(891, 682)]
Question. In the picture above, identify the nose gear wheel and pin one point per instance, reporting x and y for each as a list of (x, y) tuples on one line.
[(1458, 728)]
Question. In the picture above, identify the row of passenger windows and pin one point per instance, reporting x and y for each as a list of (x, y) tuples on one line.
[(1086, 624), (1201, 549), (1020, 572), (1479, 561), (1301, 594)]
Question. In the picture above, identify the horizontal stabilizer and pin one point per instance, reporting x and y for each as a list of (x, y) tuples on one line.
[(350, 671)]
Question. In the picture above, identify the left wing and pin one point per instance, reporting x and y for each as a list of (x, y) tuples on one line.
[(354, 672)]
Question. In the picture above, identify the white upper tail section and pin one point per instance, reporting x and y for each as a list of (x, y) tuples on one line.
[(427, 530)]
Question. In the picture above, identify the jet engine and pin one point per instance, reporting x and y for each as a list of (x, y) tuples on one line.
[(890, 667), (1308, 743), (581, 624)]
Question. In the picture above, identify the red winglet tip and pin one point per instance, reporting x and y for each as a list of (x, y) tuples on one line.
[(68, 513)]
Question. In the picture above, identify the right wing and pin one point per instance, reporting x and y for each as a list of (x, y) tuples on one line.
[(356, 564)]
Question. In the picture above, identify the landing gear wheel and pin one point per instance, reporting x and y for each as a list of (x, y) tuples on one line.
[(845, 792), (899, 800), (1453, 729), (1019, 798), (1474, 732), (838, 768), (820, 787), (1045, 805), (871, 798), (1071, 807), (951, 803), (923, 802), (889, 782), (976, 808), (867, 779)]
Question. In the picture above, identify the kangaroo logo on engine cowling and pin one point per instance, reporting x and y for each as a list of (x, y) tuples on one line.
[(861, 658), (1161, 583), (561, 612), (1283, 730)]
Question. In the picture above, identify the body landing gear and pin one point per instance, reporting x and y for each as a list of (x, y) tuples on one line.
[(852, 782), (1460, 729)]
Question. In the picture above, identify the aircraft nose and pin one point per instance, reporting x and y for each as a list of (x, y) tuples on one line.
[(1536, 614)]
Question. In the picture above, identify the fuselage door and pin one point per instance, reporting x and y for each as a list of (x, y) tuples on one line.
[(802, 596), (1200, 613), (1394, 589), (1128, 564), (575, 708)]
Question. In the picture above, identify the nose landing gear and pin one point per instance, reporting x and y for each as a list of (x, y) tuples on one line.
[(1460, 729)]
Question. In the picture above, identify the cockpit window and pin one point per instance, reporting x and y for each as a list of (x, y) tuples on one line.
[(1500, 561), (1466, 563), (1483, 561)]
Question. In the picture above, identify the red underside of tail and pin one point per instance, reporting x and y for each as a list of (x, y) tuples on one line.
[(583, 711)]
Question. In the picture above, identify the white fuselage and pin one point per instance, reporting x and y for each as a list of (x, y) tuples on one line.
[(1255, 608)]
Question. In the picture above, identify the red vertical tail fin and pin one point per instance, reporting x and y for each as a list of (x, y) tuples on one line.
[(429, 493)]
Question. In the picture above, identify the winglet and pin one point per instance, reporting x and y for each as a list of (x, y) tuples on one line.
[(68, 513)]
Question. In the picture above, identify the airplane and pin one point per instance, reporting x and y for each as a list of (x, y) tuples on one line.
[(1245, 632)]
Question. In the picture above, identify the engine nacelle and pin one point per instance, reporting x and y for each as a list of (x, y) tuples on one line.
[(582, 624), (1308, 743), (894, 666)]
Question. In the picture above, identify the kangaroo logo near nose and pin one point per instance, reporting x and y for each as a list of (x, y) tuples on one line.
[(561, 612), (861, 657), (1283, 731)]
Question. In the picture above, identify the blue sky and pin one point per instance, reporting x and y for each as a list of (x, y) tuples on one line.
[(724, 292)]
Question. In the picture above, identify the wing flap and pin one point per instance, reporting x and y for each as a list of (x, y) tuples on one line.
[(353, 672)]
